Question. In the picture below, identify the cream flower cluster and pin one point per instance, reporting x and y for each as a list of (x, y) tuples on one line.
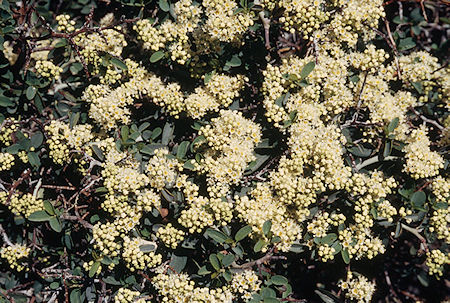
[(6, 161), (440, 218), (230, 139), (8, 52), (92, 45), (173, 33), (65, 24), (341, 20), (8, 128), (304, 16), (110, 106), (244, 284), (436, 261), (284, 93), (48, 69), (162, 170), (22, 205), (125, 295), (63, 139), (137, 259), (223, 23), (359, 288), (219, 92), (176, 288), (355, 18), (370, 60), (360, 243), (170, 236), (203, 212), (14, 255), (421, 162), (263, 207)]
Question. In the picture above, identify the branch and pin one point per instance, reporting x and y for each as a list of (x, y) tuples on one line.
[(268, 257), (5, 236), (425, 119)]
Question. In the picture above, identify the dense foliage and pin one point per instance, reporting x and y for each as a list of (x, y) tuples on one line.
[(224, 151)]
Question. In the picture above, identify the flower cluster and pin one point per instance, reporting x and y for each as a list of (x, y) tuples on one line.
[(223, 23), (358, 288), (125, 295), (135, 258), (65, 24), (170, 236), (436, 261), (231, 140), (173, 33), (48, 69), (178, 288), (14, 255), (22, 205), (245, 284), (63, 138), (421, 162), (7, 161)]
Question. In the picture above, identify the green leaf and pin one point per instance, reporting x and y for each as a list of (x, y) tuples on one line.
[(216, 235), (418, 198), (111, 280), (93, 269), (36, 139), (328, 239), (124, 132), (31, 92), (243, 232), (235, 61), (327, 296), (266, 227), (406, 44), (39, 216), (392, 125), (5, 101), (259, 245), (119, 63), (279, 280), (202, 271), (227, 276), (164, 5), (75, 296), (360, 151), (178, 263), (98, 152), (227, 260), (61, 43), (147, 247), (418, 87), (156, 132), (423, 279), (33, 158), (307, 69), (167, 133), (55, 224), (49, 208), (182, 149), (345, 256), (155, 57), (214, 261)]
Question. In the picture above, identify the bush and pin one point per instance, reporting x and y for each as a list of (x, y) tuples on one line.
[(216, 151)]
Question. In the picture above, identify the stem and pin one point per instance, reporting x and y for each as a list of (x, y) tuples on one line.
[(5, 236)]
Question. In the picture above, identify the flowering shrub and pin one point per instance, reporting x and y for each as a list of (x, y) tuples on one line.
[(224, 151)]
